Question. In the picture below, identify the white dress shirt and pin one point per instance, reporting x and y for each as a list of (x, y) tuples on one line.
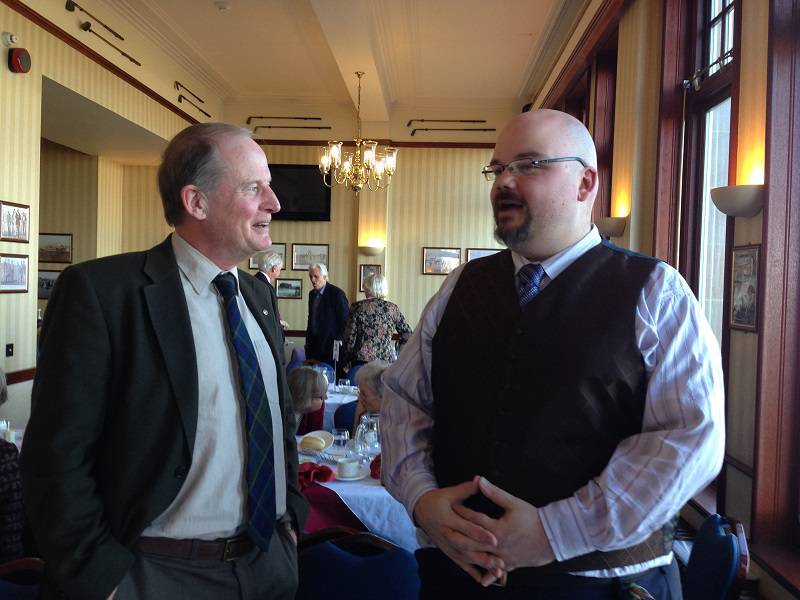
[(649, 477), (212, 503)]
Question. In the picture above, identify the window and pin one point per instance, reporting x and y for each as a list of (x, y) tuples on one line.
[(719, 34)]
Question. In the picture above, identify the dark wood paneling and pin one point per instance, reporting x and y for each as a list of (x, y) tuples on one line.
[(675, 54), (605, 80), (601, 27), (20, 376), (52, 28), (778, 398), (396, 144)]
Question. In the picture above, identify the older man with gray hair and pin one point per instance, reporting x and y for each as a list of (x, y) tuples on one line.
[(328, 310), (269, 269)]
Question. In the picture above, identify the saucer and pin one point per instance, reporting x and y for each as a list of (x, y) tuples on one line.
[(363, 472)]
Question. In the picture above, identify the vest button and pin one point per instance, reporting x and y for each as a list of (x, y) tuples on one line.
[(180, 472)]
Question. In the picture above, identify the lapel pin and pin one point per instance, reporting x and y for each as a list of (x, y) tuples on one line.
[(265, 312)]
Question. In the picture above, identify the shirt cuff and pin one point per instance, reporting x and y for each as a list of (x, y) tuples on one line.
[(565, 529)]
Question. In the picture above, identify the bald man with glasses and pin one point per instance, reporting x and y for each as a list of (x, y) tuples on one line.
[(598, 412)]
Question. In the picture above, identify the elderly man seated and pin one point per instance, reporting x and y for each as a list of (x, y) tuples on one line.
[(370, 388)]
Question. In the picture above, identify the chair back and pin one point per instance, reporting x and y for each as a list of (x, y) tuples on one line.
[(718, 562), (344, 416), (352, 374), (356, 566)]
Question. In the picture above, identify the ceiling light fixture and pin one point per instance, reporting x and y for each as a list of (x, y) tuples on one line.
[(359, 169)]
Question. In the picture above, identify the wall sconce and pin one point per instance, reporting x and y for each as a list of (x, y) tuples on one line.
[(370, 250), (738, 200), (611, 226)]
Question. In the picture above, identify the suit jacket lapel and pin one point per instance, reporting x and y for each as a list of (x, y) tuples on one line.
[(166, 304)]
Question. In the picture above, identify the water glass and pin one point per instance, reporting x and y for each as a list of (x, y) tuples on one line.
[(340, 438), (343, 385), (368, 436)]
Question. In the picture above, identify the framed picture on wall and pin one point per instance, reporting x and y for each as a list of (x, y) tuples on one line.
[(13, 273), (14, 222), (279, 248), (473, 253), (440, 261), (55, 247), (744, 287), (291, 289), (365, 271), (305, 255), (47, 279)]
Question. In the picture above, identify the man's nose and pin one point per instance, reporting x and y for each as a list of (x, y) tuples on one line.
[(269, 201)]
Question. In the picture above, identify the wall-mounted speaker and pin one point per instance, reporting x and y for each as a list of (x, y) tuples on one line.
[(19, 60)]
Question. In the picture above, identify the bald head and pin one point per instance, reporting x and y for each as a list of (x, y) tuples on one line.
[(541, 208)]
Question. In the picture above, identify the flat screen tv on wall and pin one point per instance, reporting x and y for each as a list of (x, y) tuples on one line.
[(302, 194)]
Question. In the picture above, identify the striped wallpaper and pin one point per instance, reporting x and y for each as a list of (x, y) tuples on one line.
[(110, 200)]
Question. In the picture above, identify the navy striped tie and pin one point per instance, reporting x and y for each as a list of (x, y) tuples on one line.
[(530, 278), (260, 455)]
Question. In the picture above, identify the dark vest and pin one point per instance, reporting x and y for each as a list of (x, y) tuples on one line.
[(538, 400)]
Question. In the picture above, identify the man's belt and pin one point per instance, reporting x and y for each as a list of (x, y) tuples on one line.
[(227, 549)]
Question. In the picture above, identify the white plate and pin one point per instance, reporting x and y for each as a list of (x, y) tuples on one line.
[(364, 471), (325, 435)]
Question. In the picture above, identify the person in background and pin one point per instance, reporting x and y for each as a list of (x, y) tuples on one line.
[(12, 518), (370, 388), (594, 411), (309, 390), (327, 315), (157, 462), (269, 269), (371, 325)]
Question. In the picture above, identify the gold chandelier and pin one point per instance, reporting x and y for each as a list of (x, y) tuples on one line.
[(359, 169)]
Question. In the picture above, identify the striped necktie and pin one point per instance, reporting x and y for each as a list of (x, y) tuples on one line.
[(530, 278), (260, 456)]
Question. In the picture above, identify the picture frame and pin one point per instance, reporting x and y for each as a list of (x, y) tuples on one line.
[(440, 261), (744, 287), (305, 255), (364, 271), (13, 273), (47, 279), (290, 289), (473, 253), (55, 247), (279, 248), (15, 220)]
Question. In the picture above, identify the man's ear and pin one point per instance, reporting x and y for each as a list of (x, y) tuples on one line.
[(587, 187), (195, 202)]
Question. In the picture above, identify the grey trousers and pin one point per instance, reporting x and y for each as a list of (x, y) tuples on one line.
[(258, 575)]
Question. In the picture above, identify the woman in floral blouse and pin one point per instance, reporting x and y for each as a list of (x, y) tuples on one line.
[(372, 322)]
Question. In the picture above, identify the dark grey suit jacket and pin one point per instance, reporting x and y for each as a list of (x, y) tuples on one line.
[(114, 414)]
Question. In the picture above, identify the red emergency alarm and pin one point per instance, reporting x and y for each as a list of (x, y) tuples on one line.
[(19, 60)]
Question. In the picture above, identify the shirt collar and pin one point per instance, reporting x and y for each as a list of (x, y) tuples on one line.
[(198, 269), (556, 264)]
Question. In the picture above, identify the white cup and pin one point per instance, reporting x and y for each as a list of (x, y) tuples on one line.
[(347, 467)]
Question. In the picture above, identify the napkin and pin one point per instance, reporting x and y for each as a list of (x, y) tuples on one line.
[(375, 467), (309, 472)]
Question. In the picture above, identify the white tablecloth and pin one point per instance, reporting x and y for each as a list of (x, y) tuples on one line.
[(334, 401), (380, 513)]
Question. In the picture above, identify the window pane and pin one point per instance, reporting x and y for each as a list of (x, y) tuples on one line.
[(714, 46), (712, 224), (728, 31), (714, 8)]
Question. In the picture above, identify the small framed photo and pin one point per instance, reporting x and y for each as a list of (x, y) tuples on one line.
[(365, 271), (305, 255), (13, 273), (440, 261), (55, 247), (14, 222), (279, 248), (291, 289), (47, 279), (473, 253), (744, 287)]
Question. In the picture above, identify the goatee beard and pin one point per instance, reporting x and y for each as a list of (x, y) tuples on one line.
[(514, 237)]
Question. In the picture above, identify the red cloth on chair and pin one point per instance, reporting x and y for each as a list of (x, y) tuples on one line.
[(311, 421), (375, 467), (327, 510)]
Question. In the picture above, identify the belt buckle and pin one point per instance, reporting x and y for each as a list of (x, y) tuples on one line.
[(228, 549)]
